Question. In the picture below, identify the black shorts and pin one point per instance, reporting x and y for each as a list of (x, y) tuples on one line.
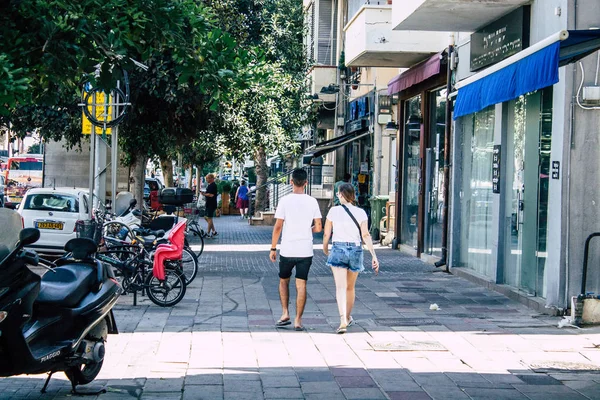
[(287, 264), (210, 212)]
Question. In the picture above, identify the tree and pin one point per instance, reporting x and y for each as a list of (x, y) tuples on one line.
[(191, 68), (35, 149), (264, 119)]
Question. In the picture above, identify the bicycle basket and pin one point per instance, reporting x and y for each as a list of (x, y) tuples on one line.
[(89, 229)]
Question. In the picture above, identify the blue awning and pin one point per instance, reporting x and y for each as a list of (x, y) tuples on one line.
[(525, 74)]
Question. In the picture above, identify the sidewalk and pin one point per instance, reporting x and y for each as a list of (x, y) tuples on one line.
[(220, 342)]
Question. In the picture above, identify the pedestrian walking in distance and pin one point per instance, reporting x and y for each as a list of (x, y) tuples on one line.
[(242, 199), (350, 231), (211, 204), (297, 217)]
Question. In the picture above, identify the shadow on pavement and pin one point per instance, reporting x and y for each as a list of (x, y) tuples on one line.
[(334, 382)]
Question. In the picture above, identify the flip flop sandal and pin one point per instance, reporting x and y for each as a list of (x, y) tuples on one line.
[(299, 328), (341, 330), (284, 322), (351, 321)]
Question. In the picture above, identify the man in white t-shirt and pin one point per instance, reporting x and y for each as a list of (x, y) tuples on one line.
[(298, 216)]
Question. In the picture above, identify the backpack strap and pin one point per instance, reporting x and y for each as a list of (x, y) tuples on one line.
[(355, 222)]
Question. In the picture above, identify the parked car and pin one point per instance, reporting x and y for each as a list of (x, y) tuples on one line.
[(55, 213)]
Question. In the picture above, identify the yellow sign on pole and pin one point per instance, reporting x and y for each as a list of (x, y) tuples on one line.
[(103, 113)]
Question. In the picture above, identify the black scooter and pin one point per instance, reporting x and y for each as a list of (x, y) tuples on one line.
[(58, 322)]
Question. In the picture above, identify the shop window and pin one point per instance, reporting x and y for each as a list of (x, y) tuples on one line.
[(411, 172), (476, 192)]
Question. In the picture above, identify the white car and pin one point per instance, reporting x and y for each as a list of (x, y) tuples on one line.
[(55, 212)]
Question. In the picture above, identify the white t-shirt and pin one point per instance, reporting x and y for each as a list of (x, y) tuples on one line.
[(344, 229), (297, 212)]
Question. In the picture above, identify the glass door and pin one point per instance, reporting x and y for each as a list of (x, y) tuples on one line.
[(526, 191), (434, 169), (411, 172)]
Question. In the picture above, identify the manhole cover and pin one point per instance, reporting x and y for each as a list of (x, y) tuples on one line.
[(407, 346), (405, 321), (566, 366)]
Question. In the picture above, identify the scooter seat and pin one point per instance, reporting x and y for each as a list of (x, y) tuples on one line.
[(68, 286)]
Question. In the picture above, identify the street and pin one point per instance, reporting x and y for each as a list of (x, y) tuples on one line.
[(220, 342)]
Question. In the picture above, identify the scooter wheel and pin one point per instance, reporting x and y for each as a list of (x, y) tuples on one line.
[(168, 292), (84, 373)]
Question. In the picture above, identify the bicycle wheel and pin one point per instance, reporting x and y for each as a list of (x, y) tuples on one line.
[(194, 227), (189, 265), (166, 293)]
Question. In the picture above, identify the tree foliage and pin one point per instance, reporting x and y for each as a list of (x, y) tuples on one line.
[(225, 77)]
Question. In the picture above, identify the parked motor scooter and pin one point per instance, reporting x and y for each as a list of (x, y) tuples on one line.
[(57, 322)]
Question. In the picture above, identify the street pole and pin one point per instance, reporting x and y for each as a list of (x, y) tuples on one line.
[(92, 160), (114, 153)]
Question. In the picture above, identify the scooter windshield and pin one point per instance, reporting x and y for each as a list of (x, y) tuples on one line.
[(11, 224)]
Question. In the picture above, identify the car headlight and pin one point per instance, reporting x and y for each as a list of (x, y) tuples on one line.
[(3, 315)]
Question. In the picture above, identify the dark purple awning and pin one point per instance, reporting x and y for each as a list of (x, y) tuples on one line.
[(417, 74)]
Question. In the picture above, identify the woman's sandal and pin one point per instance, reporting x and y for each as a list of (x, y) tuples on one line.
[(341, 330)]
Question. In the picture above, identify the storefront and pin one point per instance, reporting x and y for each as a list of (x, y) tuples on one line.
[(420, 164), (359, 155), (506, 223)]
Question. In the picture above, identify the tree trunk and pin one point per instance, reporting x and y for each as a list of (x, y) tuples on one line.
[(166, 165), (260, 162), (189, 174), (198, 180), (137, 179)]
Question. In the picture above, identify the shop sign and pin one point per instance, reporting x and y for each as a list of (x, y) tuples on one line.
[(500, 39), (358, 125), (555, 169), (496, 169)]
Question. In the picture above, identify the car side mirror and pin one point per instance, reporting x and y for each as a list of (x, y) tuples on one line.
[(28, 236)]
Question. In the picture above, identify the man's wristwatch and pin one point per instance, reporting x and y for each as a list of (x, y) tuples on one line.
[(273, 249)]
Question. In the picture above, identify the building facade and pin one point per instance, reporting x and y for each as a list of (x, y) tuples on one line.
[(525, 168)]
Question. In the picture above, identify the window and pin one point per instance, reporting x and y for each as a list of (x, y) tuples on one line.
[(476, 192), (52, 202), (25, 166)]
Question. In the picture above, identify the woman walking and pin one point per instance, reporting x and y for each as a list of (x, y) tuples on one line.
[(350, 230), (242, 199)]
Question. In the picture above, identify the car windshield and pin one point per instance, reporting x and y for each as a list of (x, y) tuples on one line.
[(10, 221), (52, 202)]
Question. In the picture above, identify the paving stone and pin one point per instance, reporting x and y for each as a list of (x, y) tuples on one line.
[(494, 394), (355, 382), (421, 395), (283, 381), (283, 393), (203, 392), (315, 376), (324, 388), (538, 379), (363, 393)]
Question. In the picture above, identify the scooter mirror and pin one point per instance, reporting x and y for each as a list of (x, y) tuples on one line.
[(132, 203), (28, 236)]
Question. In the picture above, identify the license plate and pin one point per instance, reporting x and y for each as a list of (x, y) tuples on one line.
[(50, 225)]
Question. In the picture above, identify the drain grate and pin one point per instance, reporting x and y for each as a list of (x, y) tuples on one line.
[(405, 321), (407, 346)]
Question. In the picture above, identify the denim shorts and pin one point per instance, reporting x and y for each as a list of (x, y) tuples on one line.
[(346, 255)]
